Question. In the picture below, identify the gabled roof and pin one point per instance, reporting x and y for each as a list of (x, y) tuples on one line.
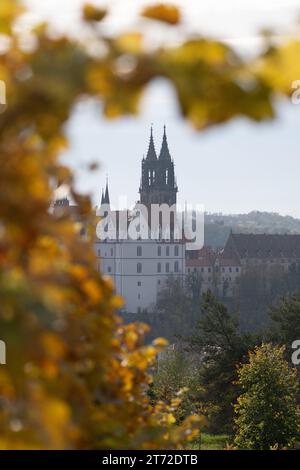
[(201, 258), (261, 246)]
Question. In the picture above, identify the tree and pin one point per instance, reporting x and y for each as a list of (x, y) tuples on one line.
[(174, 309), (75, 377), (267, 414), (175, 379), (220, 346), (286, 318), (194, 283)]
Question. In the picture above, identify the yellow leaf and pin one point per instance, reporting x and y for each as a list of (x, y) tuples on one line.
[(160, 342), (130, 42), (92, 13), (166, 13)]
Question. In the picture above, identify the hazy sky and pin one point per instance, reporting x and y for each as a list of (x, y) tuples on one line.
[(237, 167)]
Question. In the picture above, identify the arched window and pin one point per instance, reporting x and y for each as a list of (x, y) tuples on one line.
[(139, 251), (176, 267), (176, 250), (159, 267), (139, 268)]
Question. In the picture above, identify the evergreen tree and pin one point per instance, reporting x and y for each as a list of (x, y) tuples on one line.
[(220, 346), (286, 318)]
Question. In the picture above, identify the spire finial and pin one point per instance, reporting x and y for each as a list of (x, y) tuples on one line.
[(151, 154), (164, 153)]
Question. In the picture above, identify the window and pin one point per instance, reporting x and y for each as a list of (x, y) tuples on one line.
[(139, 296), (202, 270), (230, 270), (99, 252), (109, 269), (237, 270), (176, 250), (167, 267), (139, 268), (111, 252), (176, 267), (159, 267), (139, 251), (167, 251), (139, 284), (209, 270), (159, 251)]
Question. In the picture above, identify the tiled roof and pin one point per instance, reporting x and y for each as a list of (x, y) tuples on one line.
[(204, 257), (262, 246), (224, 262)]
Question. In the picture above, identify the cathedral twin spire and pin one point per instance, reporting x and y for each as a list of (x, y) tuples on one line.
[(158, 182), (164, 152)]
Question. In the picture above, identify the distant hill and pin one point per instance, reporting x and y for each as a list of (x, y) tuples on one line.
[(218, 226)]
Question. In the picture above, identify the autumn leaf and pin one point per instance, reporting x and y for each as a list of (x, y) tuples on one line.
[(166, 13), (92, 13)]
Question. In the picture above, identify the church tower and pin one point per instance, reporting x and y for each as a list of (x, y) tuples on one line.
[(158, 183)]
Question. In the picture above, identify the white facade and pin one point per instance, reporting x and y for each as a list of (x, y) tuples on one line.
[(140, 268)]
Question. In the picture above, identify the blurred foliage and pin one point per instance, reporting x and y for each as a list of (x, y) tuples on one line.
[(76, 377), (163, 12), (92, 13)]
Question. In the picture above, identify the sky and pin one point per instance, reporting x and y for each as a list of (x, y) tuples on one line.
[(234, 168)]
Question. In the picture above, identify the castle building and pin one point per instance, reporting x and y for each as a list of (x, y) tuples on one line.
[(220, 272), (139, 268)]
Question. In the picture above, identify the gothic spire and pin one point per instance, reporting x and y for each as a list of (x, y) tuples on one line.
[(102, 197), (151, 154), (106, 195), (164, 152)]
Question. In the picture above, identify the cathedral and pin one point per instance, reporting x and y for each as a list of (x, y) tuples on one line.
[(158, 182), (140, 267)]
